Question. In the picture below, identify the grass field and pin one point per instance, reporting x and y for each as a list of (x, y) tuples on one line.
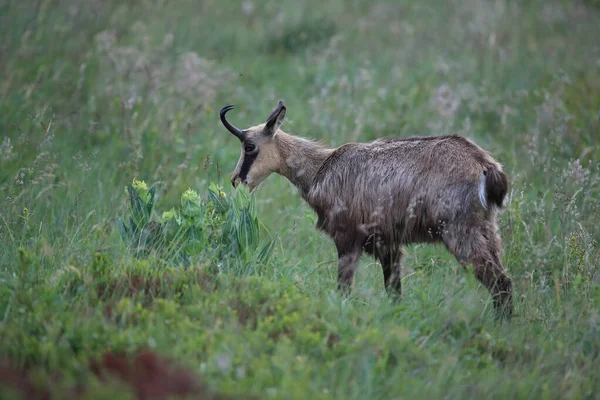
[(94, 94)]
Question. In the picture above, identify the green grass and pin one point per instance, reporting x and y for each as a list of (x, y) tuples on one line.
[(93, 94)]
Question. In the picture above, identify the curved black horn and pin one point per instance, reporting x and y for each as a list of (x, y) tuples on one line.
[(237, 132)]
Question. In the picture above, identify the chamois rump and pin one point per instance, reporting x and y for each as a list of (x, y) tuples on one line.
[(387, 193)]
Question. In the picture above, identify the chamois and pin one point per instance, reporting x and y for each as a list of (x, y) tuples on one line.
[(381, 195)]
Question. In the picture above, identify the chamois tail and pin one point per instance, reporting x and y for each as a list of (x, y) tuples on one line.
[(493, 187)]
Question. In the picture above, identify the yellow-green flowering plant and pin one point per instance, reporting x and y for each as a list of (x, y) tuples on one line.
[(225, 226), (139, 232)]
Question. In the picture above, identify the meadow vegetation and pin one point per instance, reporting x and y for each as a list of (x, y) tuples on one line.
[(240, 290)]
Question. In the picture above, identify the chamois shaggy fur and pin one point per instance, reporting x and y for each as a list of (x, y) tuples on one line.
[(379, 196)]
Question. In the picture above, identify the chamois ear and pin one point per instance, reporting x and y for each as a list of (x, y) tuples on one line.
[(275, 119)]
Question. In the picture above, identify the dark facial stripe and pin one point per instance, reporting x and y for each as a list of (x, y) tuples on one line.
[(247, 164)]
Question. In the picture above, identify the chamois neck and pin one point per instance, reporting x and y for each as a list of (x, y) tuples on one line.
[(301, 159)]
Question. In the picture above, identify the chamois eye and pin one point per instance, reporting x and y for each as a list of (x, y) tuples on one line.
[(249, 148)]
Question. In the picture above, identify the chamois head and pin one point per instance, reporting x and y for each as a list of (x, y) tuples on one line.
[(259, 156)]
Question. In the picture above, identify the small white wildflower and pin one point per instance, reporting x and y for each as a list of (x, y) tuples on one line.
[(73, 10), (168, 40), (241, 372), (6, 150), (442, 66), (223, 362), (577, 172), (106, 40), (506, 111), (131, 101), (247, 7), (553, 13), (445, 101)]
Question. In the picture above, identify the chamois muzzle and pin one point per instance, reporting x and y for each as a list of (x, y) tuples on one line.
[(236, 131)]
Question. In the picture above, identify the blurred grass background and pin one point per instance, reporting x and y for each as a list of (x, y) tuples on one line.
[(94, 93)]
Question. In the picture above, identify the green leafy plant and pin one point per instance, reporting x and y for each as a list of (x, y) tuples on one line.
[(222, 226), (141, 234)]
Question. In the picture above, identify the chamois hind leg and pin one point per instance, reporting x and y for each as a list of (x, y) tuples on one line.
[(479, 245), (349, 252), (504, 282)]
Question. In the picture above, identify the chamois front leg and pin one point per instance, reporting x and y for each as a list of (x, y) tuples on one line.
[(348, 256), (391, 264)]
